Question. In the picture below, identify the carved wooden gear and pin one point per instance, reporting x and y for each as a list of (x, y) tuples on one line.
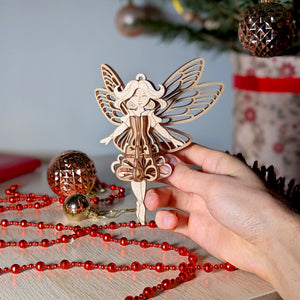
[(143, 114)]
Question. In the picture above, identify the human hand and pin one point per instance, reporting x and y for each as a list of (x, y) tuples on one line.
[(231, 213)]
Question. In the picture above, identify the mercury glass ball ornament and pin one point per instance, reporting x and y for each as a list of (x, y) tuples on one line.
[(267, 29), (71, 172), (126, 20), (77, 207)]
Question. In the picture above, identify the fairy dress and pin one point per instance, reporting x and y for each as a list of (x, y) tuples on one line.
[(141, 160)]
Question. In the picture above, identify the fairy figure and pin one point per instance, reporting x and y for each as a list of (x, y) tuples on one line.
[(143, 114)]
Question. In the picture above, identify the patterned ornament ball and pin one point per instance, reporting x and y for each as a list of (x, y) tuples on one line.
[(267, 29), (126, 20), (71, 172)]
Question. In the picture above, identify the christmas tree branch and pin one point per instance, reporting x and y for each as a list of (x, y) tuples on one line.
[(226, 14), (208, 39)]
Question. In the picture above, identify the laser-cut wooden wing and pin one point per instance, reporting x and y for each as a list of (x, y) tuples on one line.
[(106, 96), (186, 98)]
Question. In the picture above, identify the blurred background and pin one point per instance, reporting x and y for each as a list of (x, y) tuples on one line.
[(50, 58)]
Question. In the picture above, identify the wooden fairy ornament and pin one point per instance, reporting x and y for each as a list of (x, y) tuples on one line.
[(143, 114)]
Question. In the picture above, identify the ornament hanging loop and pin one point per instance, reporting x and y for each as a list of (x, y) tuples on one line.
[(110, 214)]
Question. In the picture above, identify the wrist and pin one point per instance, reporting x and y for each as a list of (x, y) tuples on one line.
[(282, 253)]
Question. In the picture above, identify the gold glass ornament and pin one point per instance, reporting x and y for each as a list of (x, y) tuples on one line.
[(77, 208), (267, 29), (71, 172)]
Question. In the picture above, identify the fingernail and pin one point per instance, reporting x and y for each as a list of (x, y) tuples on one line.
[(171, 159), (148, 198), (169, 220), (165, 169)]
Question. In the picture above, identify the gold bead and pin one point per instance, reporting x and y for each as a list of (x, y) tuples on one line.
[(77, 207)]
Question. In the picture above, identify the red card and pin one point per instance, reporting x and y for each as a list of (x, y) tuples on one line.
[(15, 165)]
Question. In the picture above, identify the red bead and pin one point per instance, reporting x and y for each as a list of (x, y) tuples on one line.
[(166, 284), (37, 205), (165, 246), (88, 265), (148, 292), (59, 227), (112, 225), (23, 223), (40, 266), (208, 267), (182, 266), (144, 244), (135, 266), (132, 224), (106, 237), (79, 232), (182, 251), (64, 239), (123, 241), (184, 276), (23, 244), (110, 198), (41, 225), (2, 244), (45, 243), (193, 258), (129, 298), (2, 209), (64, 264), (15, 269), (4, 223), (94, 227), (191, 268), (19, 207), (159, 267), (111, 267), (93, 232), (229, 267), (152, 224)]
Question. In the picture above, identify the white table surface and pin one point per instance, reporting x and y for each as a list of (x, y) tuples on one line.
[(77, 283)]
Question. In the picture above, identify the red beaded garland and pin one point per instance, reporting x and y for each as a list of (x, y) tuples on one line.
[(40, 201), (186, 269)]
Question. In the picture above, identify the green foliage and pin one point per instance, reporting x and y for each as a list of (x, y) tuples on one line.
[(226, 13)]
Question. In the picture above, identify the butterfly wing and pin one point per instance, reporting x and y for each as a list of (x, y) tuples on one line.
[(106, 97), (186, 98)]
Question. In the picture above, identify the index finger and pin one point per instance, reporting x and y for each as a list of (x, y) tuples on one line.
[(215, 162)]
